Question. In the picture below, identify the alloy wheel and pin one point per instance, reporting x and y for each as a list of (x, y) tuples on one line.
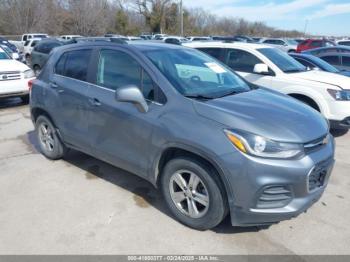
[(189, 193), (46, 137)]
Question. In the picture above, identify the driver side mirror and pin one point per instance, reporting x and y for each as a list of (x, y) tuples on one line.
[(15, 56), (261, 69), (132, 94)]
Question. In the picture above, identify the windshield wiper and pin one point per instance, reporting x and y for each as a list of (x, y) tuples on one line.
[(294, 71), (199, 96), (232, 92)]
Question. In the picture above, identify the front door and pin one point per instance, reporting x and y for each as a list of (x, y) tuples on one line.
[(120, 134), (243, 62)]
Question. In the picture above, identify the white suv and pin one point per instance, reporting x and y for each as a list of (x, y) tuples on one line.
[(286, 45), (14, 77), (272, 68)]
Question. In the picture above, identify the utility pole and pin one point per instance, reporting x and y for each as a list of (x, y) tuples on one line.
[(181, 19)]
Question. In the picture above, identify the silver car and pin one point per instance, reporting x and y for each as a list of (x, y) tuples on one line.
[(286, 45), (210, 141)]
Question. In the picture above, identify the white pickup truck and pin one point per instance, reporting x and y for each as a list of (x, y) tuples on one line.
[(19, 44)]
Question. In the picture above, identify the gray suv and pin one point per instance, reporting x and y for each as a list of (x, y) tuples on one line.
[(213, 143)]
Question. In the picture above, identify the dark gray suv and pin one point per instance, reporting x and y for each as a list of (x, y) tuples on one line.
[(213, 143)]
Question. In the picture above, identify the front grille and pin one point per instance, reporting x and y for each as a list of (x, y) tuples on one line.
[(345, 122), (319, 174), (274, 197), (11, 75), (316, 144)]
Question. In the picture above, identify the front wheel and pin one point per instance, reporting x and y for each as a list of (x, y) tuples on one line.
[(192, 193), (37, 70)]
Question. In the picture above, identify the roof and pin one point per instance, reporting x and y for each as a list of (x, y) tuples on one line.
[(227, 45), (140, 45), (330, 49)]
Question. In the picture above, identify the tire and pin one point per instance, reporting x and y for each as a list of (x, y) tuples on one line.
[(25, 99), (50, 144), (36, 70), (208, 188), (28, 59)]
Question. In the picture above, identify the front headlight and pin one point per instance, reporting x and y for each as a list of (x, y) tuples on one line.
[(340, 95), (29, 73), (262, 147)]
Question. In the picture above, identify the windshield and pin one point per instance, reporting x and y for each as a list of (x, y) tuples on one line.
[(324, 65), (7, 50), (3, 55), (195, 74), (282, 60)]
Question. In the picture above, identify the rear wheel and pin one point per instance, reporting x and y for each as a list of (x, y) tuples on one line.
[(49, 142), (192, 194)]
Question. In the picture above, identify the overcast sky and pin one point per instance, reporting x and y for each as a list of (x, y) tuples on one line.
[(324, 17)]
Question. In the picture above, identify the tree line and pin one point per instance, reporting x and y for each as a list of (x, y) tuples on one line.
[(125, 17)]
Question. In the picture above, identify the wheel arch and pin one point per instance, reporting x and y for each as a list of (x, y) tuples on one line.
[(38, 111), (174, 150), (308, 100)]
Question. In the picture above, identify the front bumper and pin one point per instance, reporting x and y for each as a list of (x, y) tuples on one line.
[(338, 113), (342, 124), (252, 180), (13, 88)]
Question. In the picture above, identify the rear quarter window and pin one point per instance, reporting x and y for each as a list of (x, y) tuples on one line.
[(74, 64)]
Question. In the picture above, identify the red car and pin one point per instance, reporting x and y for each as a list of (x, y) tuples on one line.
[(313, 43)]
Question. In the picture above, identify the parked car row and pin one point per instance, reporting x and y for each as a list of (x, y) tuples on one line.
[(202, 121), (271, 68)]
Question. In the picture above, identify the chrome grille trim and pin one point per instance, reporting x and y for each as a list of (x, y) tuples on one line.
[(10, 75)]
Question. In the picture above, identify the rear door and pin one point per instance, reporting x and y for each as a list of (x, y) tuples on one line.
[(119, 133), (70, 83)]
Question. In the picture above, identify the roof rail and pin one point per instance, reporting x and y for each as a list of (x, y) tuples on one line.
[(116, 40)]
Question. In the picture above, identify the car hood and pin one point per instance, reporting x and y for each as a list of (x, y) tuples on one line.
[(345, 73), (323, 77), (7, 65), (266, 113)]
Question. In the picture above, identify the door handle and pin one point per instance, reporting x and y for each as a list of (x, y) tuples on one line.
[(56, 87), (94, 102), (53, 85)]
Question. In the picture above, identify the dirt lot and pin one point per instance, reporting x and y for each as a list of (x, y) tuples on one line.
[(84, 206)]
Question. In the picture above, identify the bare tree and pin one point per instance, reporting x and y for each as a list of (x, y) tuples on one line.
[(96, 17), (154, 12)]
